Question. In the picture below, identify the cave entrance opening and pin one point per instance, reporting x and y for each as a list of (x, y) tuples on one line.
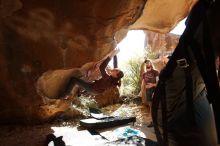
[(130, 58), (134, 49)]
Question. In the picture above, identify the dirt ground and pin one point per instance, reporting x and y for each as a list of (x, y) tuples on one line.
[(36, 135)]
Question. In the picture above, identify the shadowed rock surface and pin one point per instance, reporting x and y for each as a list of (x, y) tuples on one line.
[(38, 36)]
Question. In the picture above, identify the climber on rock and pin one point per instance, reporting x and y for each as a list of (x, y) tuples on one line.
[(107, 80)]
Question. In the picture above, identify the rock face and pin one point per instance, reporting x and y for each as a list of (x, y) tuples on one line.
[(38, 36), (163, 15), (161, 42), (162, 45)]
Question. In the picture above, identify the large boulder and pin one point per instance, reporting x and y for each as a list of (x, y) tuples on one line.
[(163, 15), (39, 36)]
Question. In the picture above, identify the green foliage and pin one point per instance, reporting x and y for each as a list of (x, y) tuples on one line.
[(85, 103), (151, 55), (130, 81), (88, 101)]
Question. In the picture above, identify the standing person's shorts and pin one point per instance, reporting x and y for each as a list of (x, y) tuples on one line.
[(149, 93)]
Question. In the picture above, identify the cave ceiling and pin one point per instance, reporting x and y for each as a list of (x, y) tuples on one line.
[(41, 35)]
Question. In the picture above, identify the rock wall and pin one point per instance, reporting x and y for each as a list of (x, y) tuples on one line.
[(163, 15), (161, 42), (37, 36)]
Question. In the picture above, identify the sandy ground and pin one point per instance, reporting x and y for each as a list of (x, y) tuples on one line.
[(36, 135)]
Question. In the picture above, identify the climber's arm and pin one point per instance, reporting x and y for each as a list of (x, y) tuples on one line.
[(103, 66), (106, 61)]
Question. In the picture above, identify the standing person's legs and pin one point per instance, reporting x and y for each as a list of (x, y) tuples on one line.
[(149, 93)]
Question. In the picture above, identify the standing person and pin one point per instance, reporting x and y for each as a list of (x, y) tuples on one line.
[(98, 86), (150, 78), (142, 92)]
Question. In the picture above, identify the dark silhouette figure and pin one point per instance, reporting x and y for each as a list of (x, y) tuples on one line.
[(56, 140)]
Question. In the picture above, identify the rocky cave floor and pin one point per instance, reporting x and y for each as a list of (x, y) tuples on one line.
[(17, 135)]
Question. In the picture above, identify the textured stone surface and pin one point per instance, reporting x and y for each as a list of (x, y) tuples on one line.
[(161, 42), (163, 15), (39, 36)]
